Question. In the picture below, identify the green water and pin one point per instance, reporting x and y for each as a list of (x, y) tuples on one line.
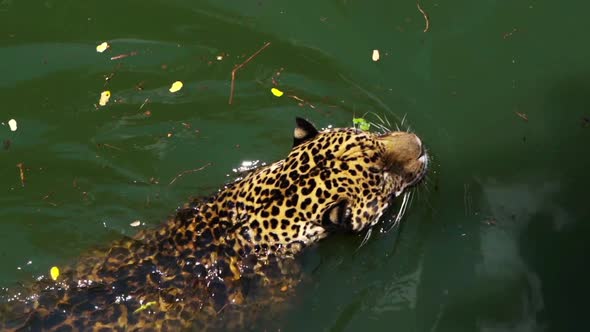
[(496, 240)]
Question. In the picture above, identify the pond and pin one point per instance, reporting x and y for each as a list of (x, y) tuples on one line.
[(498, 91)]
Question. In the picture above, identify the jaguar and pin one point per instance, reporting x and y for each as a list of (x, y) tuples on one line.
[(224, 262)]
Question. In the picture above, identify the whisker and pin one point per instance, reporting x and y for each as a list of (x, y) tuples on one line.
[(403, 119), (378, 117), (405, 204), (380, 126), (387, 120), (426, 186), (367, 236), (428, 202), (368, 94), (412, 197), (401, 212)]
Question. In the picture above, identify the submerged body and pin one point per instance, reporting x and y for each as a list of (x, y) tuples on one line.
[(225, 262)]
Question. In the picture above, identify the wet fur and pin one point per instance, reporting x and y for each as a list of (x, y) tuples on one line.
[(228, 261)]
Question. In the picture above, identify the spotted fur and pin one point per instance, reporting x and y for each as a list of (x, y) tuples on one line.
[(230, 260)]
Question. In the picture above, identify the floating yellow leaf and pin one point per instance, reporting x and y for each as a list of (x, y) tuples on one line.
[(104, 97), (276, 92), (144, 306), (102, 47), (176, 86), (12, 124), (54, 272), (375, 55)]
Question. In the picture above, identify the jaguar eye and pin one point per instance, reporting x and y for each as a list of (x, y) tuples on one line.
[(337, 215), (373, 169)]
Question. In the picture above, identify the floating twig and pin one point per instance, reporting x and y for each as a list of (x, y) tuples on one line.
[(296, 98), (510, 33), (21, 169), (491, 221), (47, 196), (236, 68), (144, 102), (427, 21), (522, 116), (302, 102), (121, 56), (109, 146), (107, 78), (221, 309), (189, 171)]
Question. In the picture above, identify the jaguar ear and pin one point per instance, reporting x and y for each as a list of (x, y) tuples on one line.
[(303, 131), (337, 216)]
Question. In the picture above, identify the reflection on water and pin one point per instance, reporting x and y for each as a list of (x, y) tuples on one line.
[(513, 206), (398, 296)]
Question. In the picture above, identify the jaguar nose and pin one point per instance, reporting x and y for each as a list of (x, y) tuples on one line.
[(418, 140), (419, 143)]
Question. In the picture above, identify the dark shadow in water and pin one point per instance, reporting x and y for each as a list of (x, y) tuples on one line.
[(529, 272), (559, 254)]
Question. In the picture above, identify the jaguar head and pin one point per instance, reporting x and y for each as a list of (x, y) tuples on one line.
[(340, 179)]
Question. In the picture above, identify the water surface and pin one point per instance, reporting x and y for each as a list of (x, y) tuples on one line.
[(496, 240)]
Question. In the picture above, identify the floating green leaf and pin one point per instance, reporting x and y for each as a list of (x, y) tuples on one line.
[(361, 123)]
